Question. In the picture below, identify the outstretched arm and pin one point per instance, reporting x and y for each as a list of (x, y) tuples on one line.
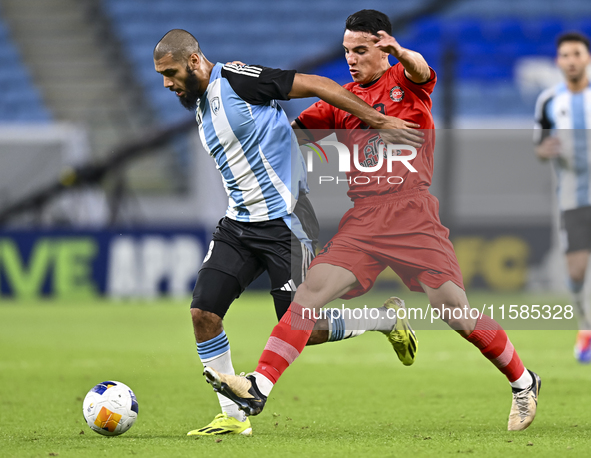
[(415, 65), (336, 95)]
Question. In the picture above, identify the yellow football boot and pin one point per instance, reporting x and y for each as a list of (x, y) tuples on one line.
[(223, 424), (402, 337)]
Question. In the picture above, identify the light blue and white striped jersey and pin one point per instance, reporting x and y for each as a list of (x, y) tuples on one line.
[(567, 116), (247, 133)]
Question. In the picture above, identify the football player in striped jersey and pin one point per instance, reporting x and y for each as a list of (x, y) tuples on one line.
[(562, 120), (269, 224)]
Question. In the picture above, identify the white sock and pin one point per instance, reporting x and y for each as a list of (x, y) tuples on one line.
[(263, 384), (346, 323), (524, 381), (215, 353)]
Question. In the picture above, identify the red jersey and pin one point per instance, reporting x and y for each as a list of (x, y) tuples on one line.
[(393, 94)]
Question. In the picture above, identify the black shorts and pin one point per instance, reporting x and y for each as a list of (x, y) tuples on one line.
[(245, 250), (576, 227)]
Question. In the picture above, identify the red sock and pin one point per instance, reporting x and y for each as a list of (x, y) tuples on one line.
[(287, 341), (494, 344)]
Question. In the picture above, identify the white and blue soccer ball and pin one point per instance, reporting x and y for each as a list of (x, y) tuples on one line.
[(110, 408)]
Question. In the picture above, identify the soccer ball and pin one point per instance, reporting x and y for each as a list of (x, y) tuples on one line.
[(110, 408)]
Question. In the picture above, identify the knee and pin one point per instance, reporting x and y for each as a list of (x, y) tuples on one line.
[(577, 275), (206, 325), (449, 300), (459, 316), (577, 265), (203, 318), (308, 290)]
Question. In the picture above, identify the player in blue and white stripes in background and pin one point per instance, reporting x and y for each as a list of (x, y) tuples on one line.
[(270, 224), (563, 117)]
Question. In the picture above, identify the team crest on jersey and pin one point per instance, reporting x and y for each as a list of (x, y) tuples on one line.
[(215, 105), (396, 94)]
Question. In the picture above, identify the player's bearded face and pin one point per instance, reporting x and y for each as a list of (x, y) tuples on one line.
[(192, 93)]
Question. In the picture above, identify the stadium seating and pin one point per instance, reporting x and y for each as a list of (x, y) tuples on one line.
[(489, 38), (285, 34), (20, 100), (487, 51), (279, 34)]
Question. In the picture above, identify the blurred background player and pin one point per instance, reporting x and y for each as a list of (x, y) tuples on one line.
[(563, 115), (391, 225), (269, 225)]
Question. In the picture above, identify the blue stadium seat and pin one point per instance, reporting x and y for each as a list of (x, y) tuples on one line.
[(542, 29), (8, 53), (283, 34), (18, 102), (428, 28), (514, 50), (582, 25), (506, 30), (475, 49), (463, 30)]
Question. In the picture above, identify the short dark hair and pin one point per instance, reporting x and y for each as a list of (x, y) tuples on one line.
[(573, 36), (179, 43), (370, 21)]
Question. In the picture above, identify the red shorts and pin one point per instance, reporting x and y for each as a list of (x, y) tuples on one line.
[(401, 231)]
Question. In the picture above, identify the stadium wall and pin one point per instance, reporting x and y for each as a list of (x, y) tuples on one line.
[(503, 238)]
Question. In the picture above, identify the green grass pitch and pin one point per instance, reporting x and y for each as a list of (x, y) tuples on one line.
[(350, 398)]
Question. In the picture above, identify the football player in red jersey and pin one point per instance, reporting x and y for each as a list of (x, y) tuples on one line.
[(394, 223)]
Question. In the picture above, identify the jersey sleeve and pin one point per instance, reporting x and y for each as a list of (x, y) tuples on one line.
[(421, 89), (321, 115), (258, 85), (542, 123)]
